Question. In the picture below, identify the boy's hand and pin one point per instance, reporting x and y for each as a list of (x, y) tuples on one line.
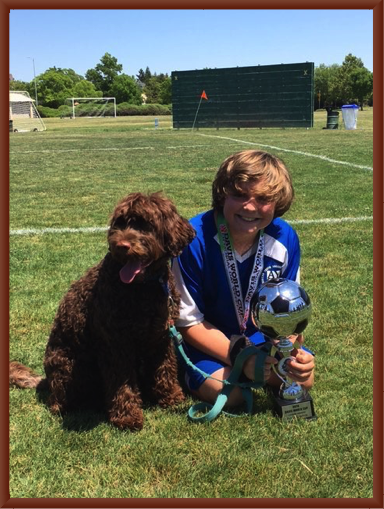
[(249, 367)]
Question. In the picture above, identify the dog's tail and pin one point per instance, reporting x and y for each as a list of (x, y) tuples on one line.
[(23, 377)]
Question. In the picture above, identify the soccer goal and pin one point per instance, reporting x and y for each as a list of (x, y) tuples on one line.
[(23, 114), (92, 107)]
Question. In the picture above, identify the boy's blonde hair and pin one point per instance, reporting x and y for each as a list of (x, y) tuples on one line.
[(254, 166)]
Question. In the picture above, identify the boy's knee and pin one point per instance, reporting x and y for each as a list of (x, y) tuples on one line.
[(212, 387)]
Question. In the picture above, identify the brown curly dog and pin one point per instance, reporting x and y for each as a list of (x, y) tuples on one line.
[(109, 346)]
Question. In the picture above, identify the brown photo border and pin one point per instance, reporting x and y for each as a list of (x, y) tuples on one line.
[(377, 500)]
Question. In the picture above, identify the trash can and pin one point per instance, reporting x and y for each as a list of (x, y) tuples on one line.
[(349, 112), (11, 126), (332, 120)]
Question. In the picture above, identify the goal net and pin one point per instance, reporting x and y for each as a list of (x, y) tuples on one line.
[(92, 107), (23, 114)]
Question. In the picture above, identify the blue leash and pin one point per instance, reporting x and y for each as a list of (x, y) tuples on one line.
[(212, 411)]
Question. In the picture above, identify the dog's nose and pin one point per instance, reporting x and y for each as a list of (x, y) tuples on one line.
[(125, 244)]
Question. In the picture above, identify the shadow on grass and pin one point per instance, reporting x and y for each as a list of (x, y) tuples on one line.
[(76, 420), (88, 418), (83, 420)]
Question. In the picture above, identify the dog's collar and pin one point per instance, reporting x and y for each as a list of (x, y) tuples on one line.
[(158, 277)]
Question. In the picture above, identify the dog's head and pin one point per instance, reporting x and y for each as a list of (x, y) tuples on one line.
[(146, 231)]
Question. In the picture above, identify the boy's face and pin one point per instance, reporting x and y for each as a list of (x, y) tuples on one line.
[(248, 211)]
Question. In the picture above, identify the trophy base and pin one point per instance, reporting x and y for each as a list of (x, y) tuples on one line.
[(302, 408)]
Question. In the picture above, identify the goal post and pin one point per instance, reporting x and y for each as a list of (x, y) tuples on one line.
[(23, 114), (92, 107)]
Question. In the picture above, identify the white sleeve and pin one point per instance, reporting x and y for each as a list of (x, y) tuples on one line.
[(189, 312), (298, 276)]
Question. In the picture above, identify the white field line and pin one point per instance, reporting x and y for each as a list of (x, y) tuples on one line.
[(186, 146), (331, 220), (117, 149), (79, 150), (41, 231), (307, 154)]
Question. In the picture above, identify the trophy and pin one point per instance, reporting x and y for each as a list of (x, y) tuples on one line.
[(281, 308)]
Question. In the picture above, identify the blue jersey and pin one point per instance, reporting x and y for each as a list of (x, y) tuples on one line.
[(202, 280)]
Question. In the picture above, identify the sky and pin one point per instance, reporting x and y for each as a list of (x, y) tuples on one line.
[(179, 40)]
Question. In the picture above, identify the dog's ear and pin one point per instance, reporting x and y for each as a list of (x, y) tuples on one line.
[(178, 234), (177, 231)]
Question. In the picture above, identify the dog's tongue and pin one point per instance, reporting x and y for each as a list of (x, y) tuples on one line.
[(130, 271)]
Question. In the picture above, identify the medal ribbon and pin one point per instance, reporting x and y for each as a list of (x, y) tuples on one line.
[(242, 308)]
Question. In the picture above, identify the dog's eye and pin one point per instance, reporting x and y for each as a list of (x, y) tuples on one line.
[(137, 223), (140, 224), (119, 223)]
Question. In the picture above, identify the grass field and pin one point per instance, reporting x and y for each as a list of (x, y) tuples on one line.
[(70, 177)]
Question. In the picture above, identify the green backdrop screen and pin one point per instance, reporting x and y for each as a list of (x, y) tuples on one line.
[(261, 96)]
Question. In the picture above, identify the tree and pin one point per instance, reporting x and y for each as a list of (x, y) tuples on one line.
[(351, 62), (327, 83), (75, 78), (95, 78), (351, 82), (54, 86), (103, 75), (85, 88), (361, 82), (144, 76), (125, 89), (356, 80), (154, 89), (165, 92), (18, 85)]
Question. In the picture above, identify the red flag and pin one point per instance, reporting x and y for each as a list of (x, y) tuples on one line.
[(204, 95)]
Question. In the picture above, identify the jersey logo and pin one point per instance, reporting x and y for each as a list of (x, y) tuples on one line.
[(272, 272)]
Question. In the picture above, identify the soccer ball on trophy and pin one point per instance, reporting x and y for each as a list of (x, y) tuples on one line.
[(280, 308)]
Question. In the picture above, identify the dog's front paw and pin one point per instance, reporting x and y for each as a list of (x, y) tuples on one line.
[(172, 399), (55, 407), (134, 421)]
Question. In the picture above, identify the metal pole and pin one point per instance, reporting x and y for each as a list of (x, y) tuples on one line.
[(34, 79), (193, 125)]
